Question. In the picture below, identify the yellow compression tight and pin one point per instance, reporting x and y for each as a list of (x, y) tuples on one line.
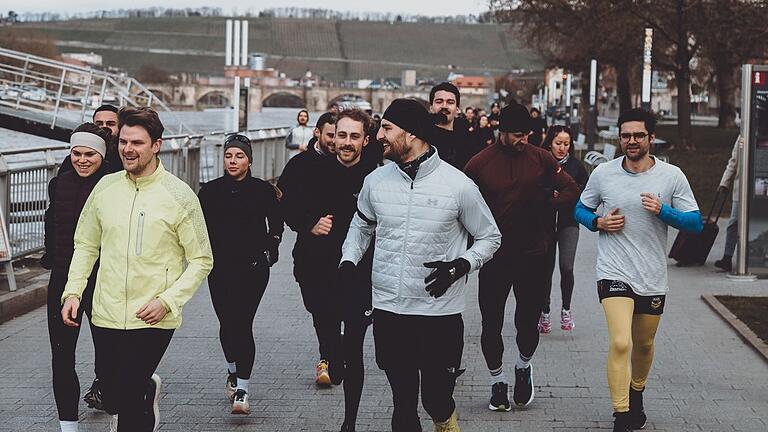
[(627, 331)]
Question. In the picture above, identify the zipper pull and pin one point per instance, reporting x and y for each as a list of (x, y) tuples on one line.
[(411, 184)]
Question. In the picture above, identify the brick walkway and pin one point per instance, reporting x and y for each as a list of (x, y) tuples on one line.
[(704, 377)]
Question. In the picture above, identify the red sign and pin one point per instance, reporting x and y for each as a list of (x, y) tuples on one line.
[(759, 78)]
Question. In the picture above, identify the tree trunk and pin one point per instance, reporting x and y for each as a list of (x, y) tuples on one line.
[(726, 89), (623, 87), (683, 81)]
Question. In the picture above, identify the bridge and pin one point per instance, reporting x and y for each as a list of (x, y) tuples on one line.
[(319, 98)]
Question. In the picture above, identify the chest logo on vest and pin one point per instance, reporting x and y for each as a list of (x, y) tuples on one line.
[(432, 202)]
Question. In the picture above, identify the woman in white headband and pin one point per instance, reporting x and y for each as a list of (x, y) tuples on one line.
[(67, 193)]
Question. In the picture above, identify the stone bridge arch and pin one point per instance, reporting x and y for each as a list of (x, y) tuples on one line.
[(283, 99), (213, 99)]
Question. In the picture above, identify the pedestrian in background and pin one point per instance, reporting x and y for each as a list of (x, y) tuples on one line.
[(298, 138), (559, 142)]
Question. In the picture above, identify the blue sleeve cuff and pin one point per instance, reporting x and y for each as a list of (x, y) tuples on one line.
[(585, 216), (684, 221)]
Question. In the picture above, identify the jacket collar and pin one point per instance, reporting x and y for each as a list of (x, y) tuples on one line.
[(145, 181), (425, 168)]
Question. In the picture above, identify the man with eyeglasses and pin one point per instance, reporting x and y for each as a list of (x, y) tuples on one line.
[(640, 196), (518, 181)]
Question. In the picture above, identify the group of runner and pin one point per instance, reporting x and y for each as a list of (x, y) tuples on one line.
[(388, 244)]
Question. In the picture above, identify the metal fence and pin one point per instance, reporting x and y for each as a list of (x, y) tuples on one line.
[(195, 159)]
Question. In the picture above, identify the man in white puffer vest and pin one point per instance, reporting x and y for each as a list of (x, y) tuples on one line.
[(423, 212)]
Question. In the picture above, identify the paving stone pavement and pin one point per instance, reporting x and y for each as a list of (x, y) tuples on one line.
[(704, 377)]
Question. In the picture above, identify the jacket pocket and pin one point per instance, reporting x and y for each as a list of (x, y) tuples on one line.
[(140, 233)]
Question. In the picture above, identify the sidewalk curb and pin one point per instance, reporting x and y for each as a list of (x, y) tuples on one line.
[(745, 332), (26, 299)]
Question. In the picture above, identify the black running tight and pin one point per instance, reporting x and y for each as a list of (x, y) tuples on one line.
[(236, 294)]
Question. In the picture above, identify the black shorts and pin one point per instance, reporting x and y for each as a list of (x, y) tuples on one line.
[(417, 341), (650, 305)]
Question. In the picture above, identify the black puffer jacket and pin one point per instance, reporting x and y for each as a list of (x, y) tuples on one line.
[(242, 219), (68, 193)]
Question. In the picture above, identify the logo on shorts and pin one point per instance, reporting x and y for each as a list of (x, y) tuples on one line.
[(656, 302), (617, 286)]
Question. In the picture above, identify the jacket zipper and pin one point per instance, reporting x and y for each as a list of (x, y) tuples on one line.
[(405, 243), (128, 259), (140, 233)]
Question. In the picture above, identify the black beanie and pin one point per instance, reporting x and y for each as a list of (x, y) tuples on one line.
[(410, 115), (240, 141), (515, 118)]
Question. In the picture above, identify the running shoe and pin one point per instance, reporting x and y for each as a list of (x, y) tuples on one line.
[(523, 392), (545, 324), (322, 377), (621, 422), (725, 264), (637, 417), (113, 423), (500, 397), (152, 399), (566, 320), (450, 425), (231, 386), (240, 403), (93, 396)]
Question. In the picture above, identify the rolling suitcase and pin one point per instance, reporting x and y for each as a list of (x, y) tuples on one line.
[(692, 248)]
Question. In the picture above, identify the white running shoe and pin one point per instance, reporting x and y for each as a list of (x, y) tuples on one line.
[(240, 404)]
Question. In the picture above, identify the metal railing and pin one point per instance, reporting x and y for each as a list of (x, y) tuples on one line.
[(57, 90), (195, 159)]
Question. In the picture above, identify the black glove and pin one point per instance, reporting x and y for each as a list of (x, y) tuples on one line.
[(346, 277), (444, 275)]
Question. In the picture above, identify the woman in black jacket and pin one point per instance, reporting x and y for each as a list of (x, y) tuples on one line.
[(245, 229), (559, 141), (68, 192)]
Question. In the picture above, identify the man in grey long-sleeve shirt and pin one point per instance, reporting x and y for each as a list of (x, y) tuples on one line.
[(422, 211)]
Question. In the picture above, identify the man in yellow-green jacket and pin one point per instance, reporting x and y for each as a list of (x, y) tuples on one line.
[(147, 228)]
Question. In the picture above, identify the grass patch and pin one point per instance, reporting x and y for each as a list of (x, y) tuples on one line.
[(751, 311), (703, 166)]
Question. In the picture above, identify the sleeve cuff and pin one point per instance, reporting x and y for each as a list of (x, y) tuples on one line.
[(169, 305)]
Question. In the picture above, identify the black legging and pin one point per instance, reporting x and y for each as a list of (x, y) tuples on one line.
[(354, 368), (526, 276), (63, 339), (236, 294)]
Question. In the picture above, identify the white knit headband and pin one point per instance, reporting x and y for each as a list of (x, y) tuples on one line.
[(90, 140)]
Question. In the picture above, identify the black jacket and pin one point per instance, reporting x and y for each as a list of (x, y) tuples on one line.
[(242, 217), (68, 193), (453, 146), (575, 168), (321, 186)]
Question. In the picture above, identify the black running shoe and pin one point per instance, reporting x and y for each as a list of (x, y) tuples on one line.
[(636, 412), (523, 392), (500, 397), (621, 422), (725, 264), (93, 396), (347, 428)]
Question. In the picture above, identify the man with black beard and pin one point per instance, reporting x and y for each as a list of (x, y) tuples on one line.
[(451, 137), (422, 212)]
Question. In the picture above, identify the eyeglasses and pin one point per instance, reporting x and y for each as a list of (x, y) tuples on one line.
[(237, 137), (638, 136)]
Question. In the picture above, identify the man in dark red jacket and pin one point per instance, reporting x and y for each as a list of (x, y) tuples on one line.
[(518, 181)]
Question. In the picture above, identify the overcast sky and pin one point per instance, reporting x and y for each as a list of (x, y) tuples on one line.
[(414, 7)]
